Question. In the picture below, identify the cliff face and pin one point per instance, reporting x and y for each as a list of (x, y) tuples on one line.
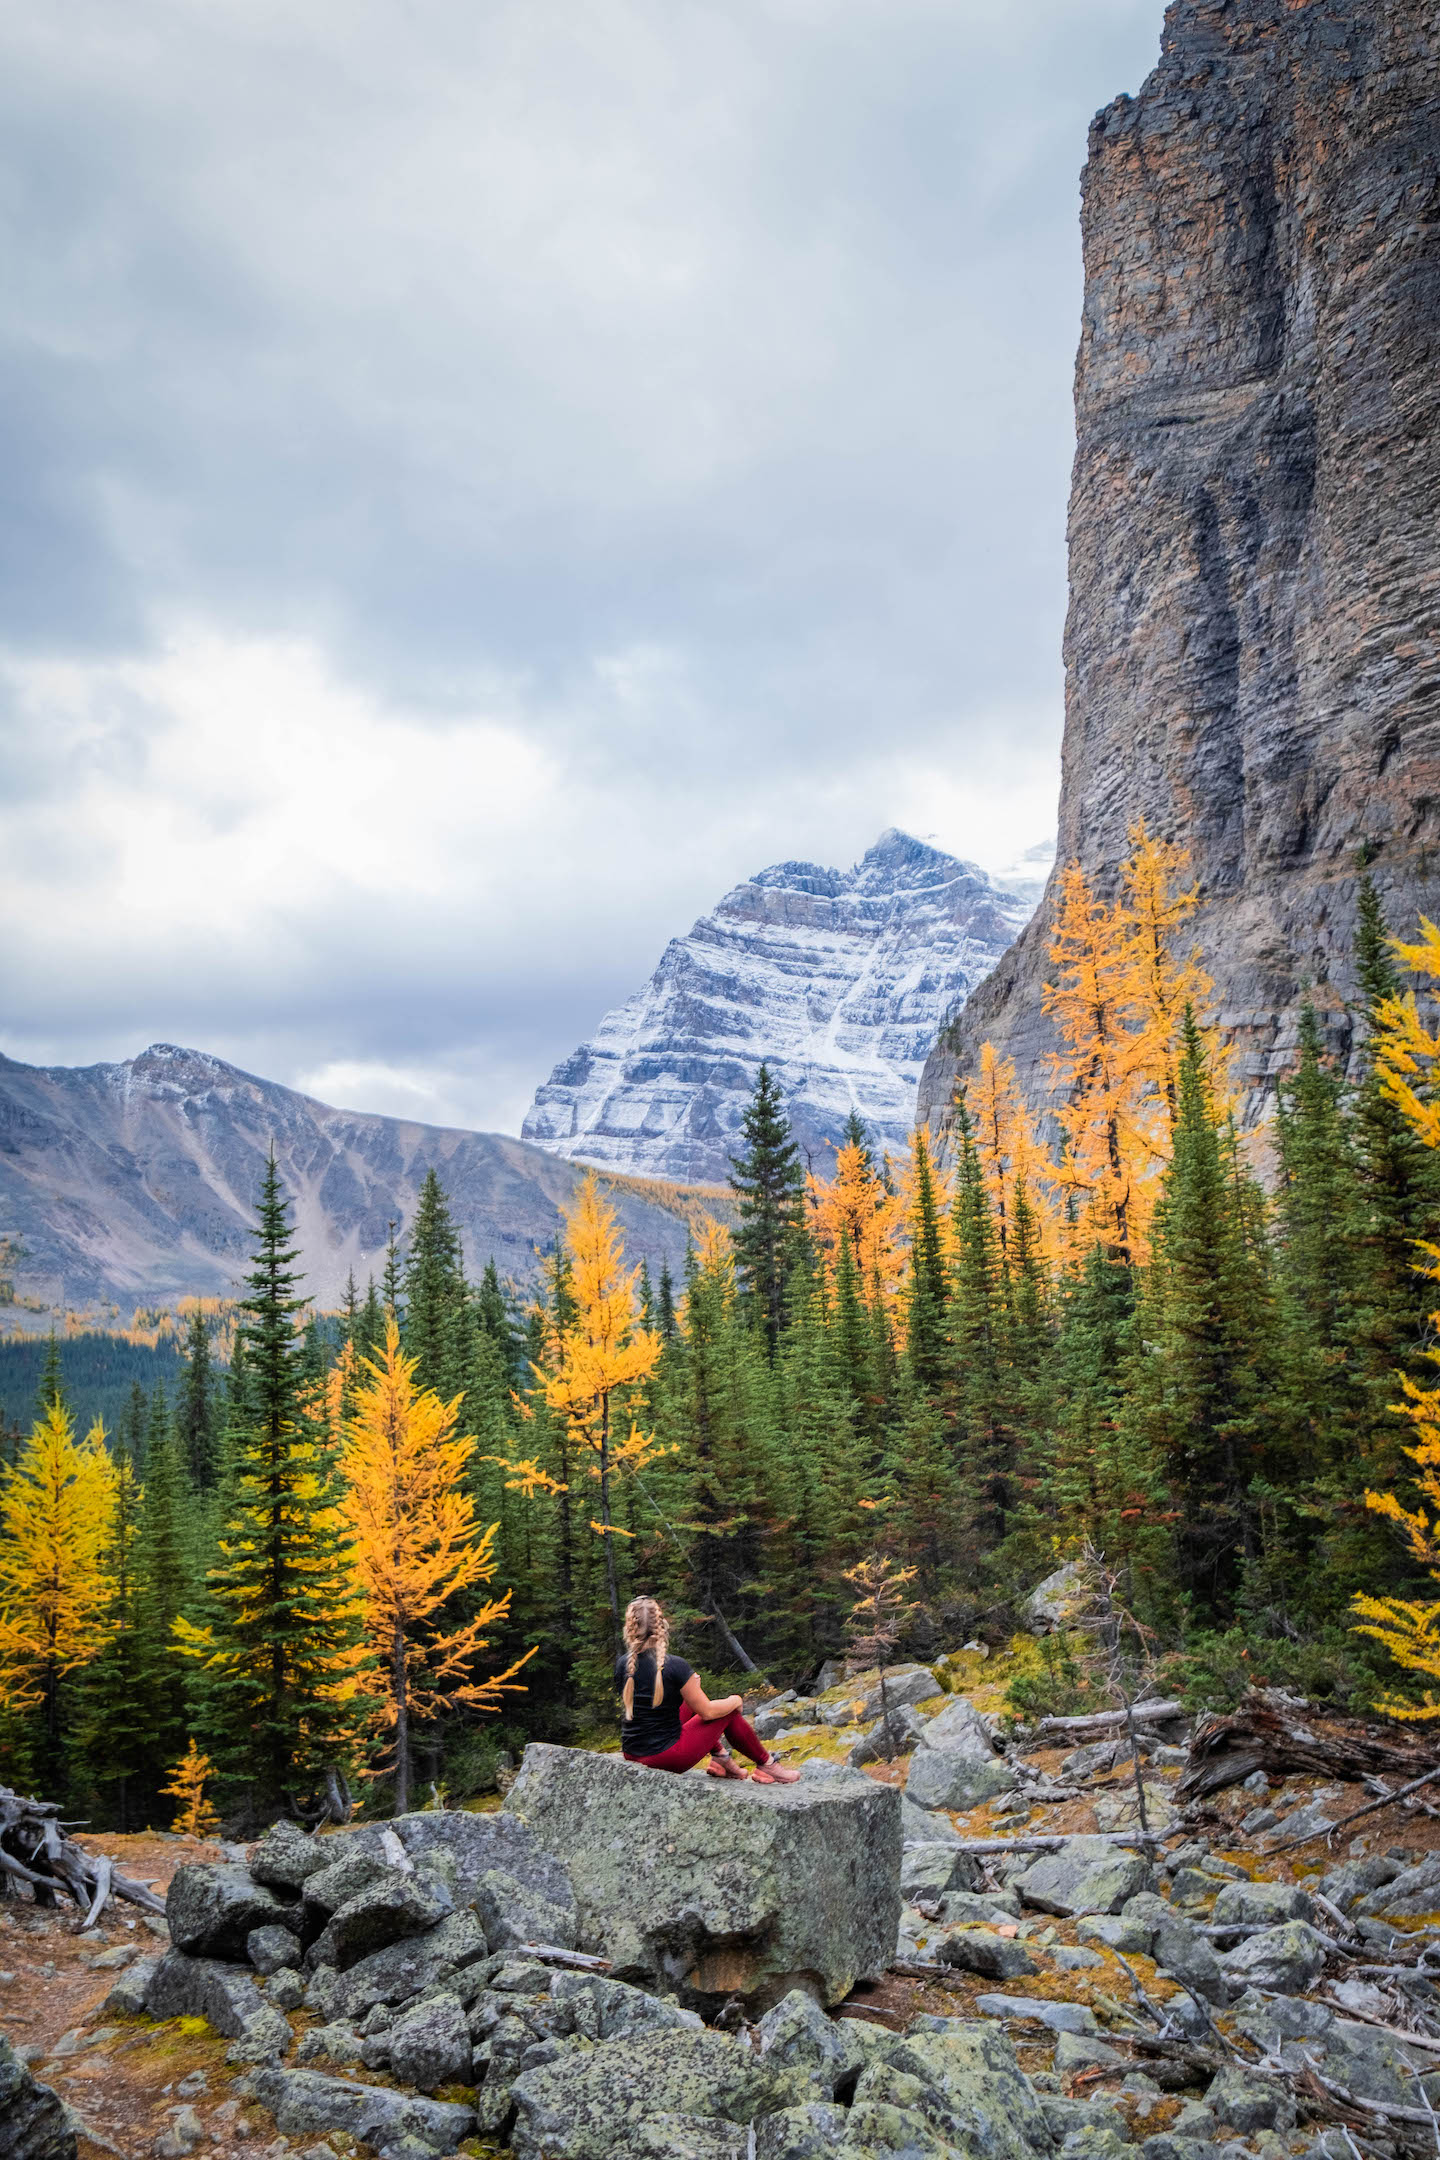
[(839, 979), (1253, 643), (138, 1181)]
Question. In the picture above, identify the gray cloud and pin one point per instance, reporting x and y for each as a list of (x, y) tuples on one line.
[(481, 480)]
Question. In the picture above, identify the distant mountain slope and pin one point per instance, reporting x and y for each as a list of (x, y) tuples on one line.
[(840, 979), (137, 1181)]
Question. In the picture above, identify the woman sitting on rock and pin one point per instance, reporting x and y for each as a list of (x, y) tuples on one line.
[(670, 1722)]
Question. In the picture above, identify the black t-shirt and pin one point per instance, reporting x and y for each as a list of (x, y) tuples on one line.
[(650, 1730)]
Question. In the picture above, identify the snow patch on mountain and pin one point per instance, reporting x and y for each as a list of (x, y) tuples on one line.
[(840, 980)]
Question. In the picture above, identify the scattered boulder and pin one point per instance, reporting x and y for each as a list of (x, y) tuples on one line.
[(599, 2009), (978, 1908), (404, 1969), (960, 1728), (1246, 2103), (796, 2035), (1286, 1959), (928, 1871), (390, 1909), (474, 1844), (336, 2043), (34, 2121), (270, 1949), (1085, 1876), (973, 2067), (714, 1888), (304, 2101), (429, 2046), (513, 1911), (1177, 1945), (1261, 1904), (287, 1856), (588, 2104), (1345, 1886), (128, 1997), (888, 1737), (919, 1827), (211, 1909), (1408, 1895), (224, 1995), (1060, 1601), (812, 2132), (950, 1778), (905, 1685), (979, 1950), (1058, 2016), (354, 1869)]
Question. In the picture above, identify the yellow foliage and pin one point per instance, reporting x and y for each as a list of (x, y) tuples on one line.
[(1119, 1002), (193, 1812), (1010, 1154), (1406, 1051), (858, 1200), (55, 1508), (602, 1349), (416, 1541)]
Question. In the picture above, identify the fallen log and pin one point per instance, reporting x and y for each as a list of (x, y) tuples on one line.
[(1100, 1724), (1283, 1736), (1401, 1792), (1052, 1842), (35, 1850)]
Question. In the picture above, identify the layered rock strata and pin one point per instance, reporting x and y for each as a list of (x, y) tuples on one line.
[(1253, 644), (839, 980)]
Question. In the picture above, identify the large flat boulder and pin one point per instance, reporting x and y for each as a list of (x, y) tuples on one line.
[(710, 1888)]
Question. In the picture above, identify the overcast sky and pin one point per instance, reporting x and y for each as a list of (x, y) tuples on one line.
[(484, 476)]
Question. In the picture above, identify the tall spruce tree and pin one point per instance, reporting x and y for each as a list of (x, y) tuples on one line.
[(116, 1710), (769, 1186), (196, 1423), (436, 1328), (279, 1653)]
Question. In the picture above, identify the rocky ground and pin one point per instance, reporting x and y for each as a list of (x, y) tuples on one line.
[(1250, 1986)]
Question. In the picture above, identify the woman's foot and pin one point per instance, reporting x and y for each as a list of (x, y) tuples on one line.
[(771, 1772), (723, 1765)]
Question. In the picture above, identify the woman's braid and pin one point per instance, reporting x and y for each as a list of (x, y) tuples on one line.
[(646, 1628)]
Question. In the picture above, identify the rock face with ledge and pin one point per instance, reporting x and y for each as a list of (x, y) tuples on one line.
[(713, 1889), (839, 980), (1253, 643)]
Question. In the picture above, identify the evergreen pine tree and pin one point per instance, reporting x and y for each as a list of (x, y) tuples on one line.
[(926, 1348), (279, 1652), (436, 1297), (195, 1419), (116, 1716), (665, 1304), (769, 1187), (51, 1394), (134, 1425)]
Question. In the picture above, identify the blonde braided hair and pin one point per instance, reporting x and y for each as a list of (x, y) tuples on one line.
[(646, 1628)]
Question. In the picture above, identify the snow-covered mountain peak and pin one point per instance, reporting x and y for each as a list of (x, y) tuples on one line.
[(839, 979)]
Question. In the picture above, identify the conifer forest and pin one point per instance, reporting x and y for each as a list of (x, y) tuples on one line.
[(362, 1556)]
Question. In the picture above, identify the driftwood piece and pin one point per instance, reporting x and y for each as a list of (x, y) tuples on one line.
[(1281, 1735), (572, 1960), (1053, 1840), (34, 1849), (1102, 1724)]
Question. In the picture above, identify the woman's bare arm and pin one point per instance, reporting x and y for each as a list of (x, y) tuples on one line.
[(694, 1694)]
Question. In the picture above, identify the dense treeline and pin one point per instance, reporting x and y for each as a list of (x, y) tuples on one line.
[(384, 1546), (101, 1374)]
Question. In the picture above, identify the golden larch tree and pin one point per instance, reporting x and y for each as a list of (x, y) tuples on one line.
[(1163, 976), (1011, 1156), (417, 1545), (599, 1354), (56, 1505), (1407, 1056), (861, 1202), (193, 1812)]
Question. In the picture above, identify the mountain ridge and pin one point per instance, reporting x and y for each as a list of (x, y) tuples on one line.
[(838, 980), (137, 1179)]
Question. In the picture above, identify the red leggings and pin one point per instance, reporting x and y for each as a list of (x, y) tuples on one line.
[(702, 1736)]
